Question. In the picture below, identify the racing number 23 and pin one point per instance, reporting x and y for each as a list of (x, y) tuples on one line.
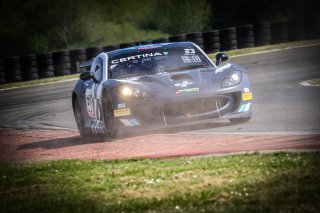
[(189, 51)]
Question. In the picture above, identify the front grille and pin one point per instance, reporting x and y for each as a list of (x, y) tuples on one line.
[(195, 107)]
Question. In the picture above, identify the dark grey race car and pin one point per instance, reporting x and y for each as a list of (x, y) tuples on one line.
[(158, 85)]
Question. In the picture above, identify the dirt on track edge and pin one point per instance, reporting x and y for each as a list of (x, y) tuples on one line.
[(31, 145)]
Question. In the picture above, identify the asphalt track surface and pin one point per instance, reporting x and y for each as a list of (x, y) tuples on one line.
[(281, 105)]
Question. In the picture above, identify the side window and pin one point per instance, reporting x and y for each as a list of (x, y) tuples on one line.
[(99, 69)]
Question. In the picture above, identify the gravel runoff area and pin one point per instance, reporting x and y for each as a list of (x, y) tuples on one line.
[(27, 145)]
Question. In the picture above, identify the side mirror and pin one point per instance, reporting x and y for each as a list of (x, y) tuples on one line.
[(220, 57), (87, 75)]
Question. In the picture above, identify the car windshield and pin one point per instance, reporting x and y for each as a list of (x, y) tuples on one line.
[(156, 60)]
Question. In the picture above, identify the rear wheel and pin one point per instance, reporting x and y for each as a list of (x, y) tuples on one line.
[(108, 114), (79, 119), (240, 120)]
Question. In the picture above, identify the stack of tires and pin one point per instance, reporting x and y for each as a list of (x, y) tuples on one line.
[(29, 67), (111, 47), (245, 36), (312, 27), (228, 39), (211, 41), (262, 34), (128, 44), (13, 69), (196, 38), (160, 40), (2, 73), (77, 56), (92, 52), (45, 65), (178, 38), (279, 32), (296, 30), (61, 63)]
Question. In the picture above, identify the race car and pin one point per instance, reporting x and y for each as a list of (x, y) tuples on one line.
[(158, 85)]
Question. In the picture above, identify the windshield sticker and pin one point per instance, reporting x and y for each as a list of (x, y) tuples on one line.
[(186, 59), (148, 47), (165, 53), (133, 57), (196, 58), (189, 90)]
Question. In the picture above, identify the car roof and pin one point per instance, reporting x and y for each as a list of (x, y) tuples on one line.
[(137, 49)]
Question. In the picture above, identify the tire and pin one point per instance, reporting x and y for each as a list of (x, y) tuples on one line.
[(111, 48), (240, 120), (47, 74), (160, 40), (32, 76), (79, 120), (108, 116), (177, 38)]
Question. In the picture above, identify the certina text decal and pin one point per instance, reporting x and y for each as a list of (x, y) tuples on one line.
[(189, 90), (133, 57), (221, 69)]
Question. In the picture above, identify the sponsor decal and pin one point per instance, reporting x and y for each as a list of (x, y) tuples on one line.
[(133, 57), (122, 112), (247, 96), (186, 59), (189, 90), (121, 105), (246, 90), (165, 53), (244, 107), (183, 84)]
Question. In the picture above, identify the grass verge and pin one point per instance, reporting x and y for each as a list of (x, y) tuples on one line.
[(212, 56), (278, 182)]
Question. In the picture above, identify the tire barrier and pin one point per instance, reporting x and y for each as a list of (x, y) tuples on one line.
[(211, 41), (296, 30), (312, 27), (29, 67), (262, 34), (92, 52), (177, 38), (196, 38), (245, 36), (61, 63), (2, 73), (111, 47), (77, 56), (12, 69), (45, 65), (228, 39), (160, 40), (279, 32), (126, 45)]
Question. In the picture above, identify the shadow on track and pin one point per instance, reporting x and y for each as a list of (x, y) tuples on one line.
[(78, 140)]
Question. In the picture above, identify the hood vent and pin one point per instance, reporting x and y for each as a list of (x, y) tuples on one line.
[(181, 77)]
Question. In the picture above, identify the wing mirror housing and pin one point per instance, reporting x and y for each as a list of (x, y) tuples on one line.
[(220, 57), (88, 75)]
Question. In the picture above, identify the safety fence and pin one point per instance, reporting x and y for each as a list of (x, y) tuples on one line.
[(31, 67)]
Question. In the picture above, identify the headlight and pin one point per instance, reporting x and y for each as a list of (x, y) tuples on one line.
[(126, 91), (135, 92), (232, 79)]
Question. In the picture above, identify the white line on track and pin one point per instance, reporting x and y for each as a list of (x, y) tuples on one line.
[(280, 133)]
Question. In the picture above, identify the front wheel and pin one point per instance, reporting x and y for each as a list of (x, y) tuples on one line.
[(240, 120), (108, 115), (79, 120)]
